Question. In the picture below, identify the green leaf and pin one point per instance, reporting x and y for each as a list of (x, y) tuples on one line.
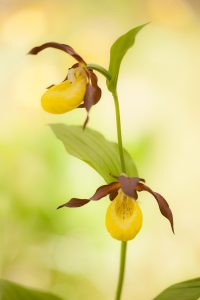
[(187, 290), (13, 291), (91, 147), (117, 52)]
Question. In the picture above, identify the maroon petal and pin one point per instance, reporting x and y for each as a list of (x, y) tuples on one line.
[(162, 203), (113, 195), (129, 184), (101, 192), (93, 77), (93, 92), (81, 105), (92, 96), (66, 48), (86, 122), (94, 81), (105, 190), (74, 202)]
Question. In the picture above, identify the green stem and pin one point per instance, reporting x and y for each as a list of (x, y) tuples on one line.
[(100, 69), (123, 166), (119, 131), (121, 270), (104, 72)]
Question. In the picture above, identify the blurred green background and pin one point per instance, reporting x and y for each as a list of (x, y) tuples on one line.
[(69, 252)]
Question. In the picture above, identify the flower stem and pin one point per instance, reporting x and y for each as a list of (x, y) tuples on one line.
[(121, 270), (119, 132), (100, 69), (123, 166), (106, 73)]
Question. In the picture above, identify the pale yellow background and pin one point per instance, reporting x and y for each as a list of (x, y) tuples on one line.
[(69, 252)]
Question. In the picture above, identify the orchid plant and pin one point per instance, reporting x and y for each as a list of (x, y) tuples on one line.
[(123, 220), (80, 89)]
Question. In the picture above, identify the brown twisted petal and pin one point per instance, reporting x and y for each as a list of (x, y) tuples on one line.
[(86, 121), (63, 47), (129, 185), (162, 203), (93, 77), (74, 202), (113, 195), (92, 96), (105, 190), (93, 92), (101, 192)]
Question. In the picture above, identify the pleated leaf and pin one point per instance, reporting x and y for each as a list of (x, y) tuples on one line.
[(91, 147), (13, 291), (187, 290)]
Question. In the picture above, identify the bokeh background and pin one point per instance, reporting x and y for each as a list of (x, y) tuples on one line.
[(69, 252)]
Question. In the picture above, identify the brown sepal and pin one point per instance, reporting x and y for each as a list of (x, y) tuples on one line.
[(74, 202), (63, 47), (129, 185), (101, 192), (105, 190), (162, 203)]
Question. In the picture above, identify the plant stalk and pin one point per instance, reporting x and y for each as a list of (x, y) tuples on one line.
[(119, 131), (100, 69), (106, 73), (121, 270), (123, 166)]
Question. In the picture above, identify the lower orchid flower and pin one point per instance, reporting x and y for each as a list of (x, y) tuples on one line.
[(124, 216), (79, 88)]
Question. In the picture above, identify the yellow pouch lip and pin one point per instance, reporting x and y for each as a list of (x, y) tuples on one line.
[(66, 95), (123, 218)]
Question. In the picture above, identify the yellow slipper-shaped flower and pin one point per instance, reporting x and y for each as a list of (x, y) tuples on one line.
[(79, 89), (123, 217), (67, 95)]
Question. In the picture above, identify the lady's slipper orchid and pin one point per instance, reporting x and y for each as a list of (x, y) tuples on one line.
[(79, 89), (124, 217)]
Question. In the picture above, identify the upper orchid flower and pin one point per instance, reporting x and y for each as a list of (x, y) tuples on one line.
[(124, 217), (79, 88)]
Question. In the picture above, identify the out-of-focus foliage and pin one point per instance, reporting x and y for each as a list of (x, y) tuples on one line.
[(69, 252), (187, 290), (10, 290)]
